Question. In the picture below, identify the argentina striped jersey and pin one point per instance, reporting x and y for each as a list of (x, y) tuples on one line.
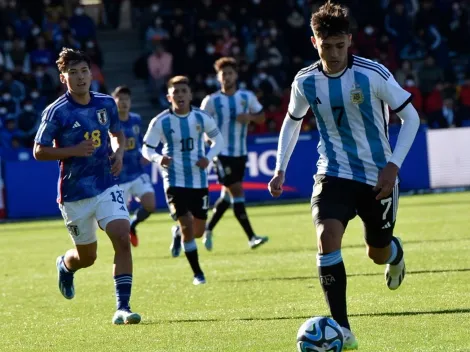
[(225, 109), (352, 115), (183, 141)]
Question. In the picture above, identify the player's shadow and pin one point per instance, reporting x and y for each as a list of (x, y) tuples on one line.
[(293, 317), (299, 249), (309, 277)]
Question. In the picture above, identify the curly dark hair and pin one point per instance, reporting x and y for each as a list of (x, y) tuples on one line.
[(329, 20)]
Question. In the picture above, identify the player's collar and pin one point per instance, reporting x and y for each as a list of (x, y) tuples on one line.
[(181, 116), (349, 65), (70, 99)]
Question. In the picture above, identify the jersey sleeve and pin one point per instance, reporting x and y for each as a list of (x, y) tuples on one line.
[(152, 137), (255, 106), (298, 104), (210, 128), (48, 129), (208, 105), (390, 92), (115, 123)]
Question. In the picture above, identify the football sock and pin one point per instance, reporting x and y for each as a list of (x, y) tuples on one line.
[(190, 250), (397, 252), (333, 281), (123, 284), (242, 217), (64, 268), (221, 205), (140, 215)]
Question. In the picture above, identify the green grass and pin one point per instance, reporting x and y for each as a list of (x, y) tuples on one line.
[(254, 300)]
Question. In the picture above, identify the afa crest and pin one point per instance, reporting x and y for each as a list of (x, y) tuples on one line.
[(102, 116), (136, 129), (356, 95), (198, 128)]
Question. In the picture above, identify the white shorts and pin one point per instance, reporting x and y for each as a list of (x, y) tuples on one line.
[(137, 188), (81, 216)]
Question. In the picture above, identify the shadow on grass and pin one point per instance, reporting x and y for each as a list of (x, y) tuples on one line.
[(293, 317)]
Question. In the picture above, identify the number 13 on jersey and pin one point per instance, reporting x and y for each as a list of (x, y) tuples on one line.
[(95, 137)]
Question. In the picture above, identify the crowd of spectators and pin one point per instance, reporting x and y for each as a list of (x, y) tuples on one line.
[(423, 42), (31, 35)]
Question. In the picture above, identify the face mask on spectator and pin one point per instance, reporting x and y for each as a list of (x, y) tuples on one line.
[(6, 96), (236, 50), (273, 32), (155, 8), (210, 49), (256, 2), (158, 22), (210, 81), (34, 95), (7, 46), (28, 108), (90, 45), (39, 74), (3, 110), (263, 76), (79, 11), (410, 83), (369, 30), (36, 31)]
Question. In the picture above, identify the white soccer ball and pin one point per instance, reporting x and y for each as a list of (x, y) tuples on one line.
[(320, 334)]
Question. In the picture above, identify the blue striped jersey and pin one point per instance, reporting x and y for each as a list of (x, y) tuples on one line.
[(66, 123), (351, 112), (132, 167), (225, 109), (183, 141)]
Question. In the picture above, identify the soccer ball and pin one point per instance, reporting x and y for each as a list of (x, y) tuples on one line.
[(320, 334)]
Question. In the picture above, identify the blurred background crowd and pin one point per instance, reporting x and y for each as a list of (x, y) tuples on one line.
[(424, 43)]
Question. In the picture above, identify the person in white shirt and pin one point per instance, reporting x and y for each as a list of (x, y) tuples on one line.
[(357, 170)]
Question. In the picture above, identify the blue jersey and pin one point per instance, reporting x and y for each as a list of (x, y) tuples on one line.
[(132, 167), (66, 123)]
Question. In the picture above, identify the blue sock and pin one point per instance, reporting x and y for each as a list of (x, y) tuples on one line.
[(123, 284), (64, 268), (140, 215)]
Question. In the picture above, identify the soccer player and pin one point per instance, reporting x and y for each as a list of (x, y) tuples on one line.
[(133, 179), (357, 170), (233, 109), (181, 129), (76, 130)]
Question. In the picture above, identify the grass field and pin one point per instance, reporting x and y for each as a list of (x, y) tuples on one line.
[(254, 300)]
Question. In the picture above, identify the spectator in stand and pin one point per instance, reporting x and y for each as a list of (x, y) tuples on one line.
[(82, 25), (447, 116), (160, 68), (429, 75)]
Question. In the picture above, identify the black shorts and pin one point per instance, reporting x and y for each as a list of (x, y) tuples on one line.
[(188, 200), (230, 169), (342, 199)]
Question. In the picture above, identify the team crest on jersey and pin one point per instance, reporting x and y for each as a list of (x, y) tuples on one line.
[(136, 129), (198, 128), (356, 94), (102, 116)]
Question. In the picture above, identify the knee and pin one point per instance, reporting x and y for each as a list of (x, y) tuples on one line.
[(149, 207), (88, 259), (378, 255), (329, 239)]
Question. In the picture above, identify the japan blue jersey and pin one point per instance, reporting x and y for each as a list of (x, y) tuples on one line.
[(66, 123), (132, 167)]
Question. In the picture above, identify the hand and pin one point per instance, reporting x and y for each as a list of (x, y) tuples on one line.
[(275, 185), (166, 161), (244, 118), (144, 161), (203, 163), (386, 182), (84, 148), (117, 157)]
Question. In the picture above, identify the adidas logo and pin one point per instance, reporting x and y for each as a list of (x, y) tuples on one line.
[(386, 226), (172, 131), (76, 124), (317, 101), (122, 208)]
